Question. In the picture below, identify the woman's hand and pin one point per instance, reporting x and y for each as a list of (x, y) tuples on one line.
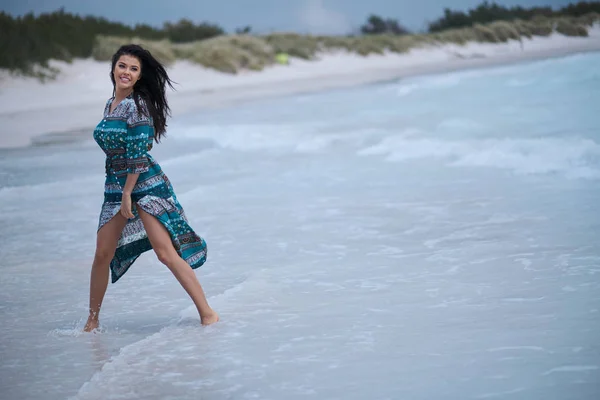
[(126, 206)]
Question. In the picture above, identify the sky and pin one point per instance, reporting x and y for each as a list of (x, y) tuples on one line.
[(304, 16)]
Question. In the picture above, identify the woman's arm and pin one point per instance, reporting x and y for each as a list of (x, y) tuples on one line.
[(139, 132), (126, 198)]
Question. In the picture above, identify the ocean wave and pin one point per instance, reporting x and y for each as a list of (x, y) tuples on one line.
[(301, 138), (405, 88), (574, 158)]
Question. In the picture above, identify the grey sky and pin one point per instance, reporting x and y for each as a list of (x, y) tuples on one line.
[(314, 16)]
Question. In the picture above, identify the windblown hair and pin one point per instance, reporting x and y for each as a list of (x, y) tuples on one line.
[(150, 87)]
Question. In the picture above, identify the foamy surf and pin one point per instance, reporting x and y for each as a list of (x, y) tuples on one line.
[(572, 158), (184, 340)]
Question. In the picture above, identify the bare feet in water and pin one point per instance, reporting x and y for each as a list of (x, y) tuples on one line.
[(209, 319), (90, 325)]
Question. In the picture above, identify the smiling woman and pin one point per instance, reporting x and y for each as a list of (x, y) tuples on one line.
[(140, 210)]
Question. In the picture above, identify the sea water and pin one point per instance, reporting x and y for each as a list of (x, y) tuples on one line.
[(428, 238)]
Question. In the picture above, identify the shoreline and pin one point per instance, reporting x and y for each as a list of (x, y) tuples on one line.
[(30, 114)]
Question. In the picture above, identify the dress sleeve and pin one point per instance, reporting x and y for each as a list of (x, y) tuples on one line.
[(138, 140)]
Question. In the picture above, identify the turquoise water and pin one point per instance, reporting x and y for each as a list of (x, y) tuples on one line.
[(430, 238)]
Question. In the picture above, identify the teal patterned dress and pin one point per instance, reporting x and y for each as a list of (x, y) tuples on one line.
[(126, 136)]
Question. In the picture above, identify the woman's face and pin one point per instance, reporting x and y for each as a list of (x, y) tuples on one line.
[(127, 72)]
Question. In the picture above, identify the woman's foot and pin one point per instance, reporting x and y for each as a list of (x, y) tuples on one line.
[(209, 319), (90, 325)]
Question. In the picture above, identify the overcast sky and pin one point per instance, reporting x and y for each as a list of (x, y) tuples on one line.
[(314, 16)]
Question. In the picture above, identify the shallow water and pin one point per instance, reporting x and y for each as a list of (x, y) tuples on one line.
[(433, 238)]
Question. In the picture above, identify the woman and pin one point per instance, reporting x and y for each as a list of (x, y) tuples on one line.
[(140, 210)]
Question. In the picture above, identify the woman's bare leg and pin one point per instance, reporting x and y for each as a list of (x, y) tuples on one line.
[(106, 244), (166, 253)]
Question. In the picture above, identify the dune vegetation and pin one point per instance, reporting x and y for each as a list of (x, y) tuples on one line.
[(30, 42), (233, 53)]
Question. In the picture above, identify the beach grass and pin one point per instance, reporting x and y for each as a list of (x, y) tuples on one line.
[(105, 47), (293, 44), (571, 27), (235, 53), (228, 53)]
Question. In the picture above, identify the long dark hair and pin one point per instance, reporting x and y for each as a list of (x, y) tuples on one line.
[(150, 87)]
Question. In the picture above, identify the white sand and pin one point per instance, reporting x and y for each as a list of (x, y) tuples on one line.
[(72, 104)]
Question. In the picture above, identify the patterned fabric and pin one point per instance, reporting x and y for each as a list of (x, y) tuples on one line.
[(126, 136)]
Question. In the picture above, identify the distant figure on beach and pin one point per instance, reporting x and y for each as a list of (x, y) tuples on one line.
[(140, 210)]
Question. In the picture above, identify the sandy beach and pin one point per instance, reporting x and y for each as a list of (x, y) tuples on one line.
[(68, 107)]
